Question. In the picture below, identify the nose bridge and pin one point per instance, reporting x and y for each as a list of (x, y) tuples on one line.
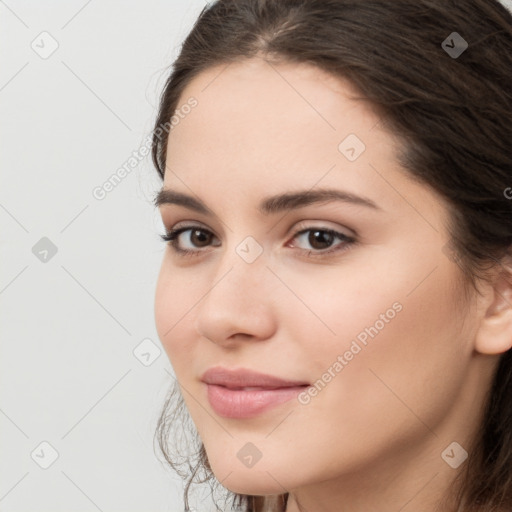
[(242, 271), (239, 299)]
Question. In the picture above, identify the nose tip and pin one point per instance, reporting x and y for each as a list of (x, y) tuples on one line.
[(223, 325), (237, 308)]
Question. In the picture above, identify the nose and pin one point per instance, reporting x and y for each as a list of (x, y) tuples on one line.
[(238, 304)]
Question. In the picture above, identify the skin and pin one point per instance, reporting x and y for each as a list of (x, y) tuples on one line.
[(372, 438)]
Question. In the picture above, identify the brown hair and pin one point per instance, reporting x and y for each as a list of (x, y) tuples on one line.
[(453, 115)]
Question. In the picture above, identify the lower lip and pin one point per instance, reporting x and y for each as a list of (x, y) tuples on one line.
[(240, 404)]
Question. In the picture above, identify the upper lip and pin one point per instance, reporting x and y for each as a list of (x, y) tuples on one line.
[(242, 377)]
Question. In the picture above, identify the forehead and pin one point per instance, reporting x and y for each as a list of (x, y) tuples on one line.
[(256, 113), (290, 95), (263, 128)]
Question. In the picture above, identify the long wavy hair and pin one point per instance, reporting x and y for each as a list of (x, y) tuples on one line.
[(453, 115)]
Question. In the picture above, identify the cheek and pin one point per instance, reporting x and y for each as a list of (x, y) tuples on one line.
[(173, 302), (394, 343)]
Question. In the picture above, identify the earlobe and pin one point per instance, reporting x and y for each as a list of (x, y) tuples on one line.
[(494, 335)]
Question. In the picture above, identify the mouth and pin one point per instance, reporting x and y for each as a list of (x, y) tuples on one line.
[(257, 388), (244, 394), (243, 379), (245, 403)]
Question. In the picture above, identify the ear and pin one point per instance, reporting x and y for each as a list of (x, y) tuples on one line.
[(494, 335)]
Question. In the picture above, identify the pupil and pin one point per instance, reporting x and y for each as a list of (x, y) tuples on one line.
[(199, 234), (321, 236)]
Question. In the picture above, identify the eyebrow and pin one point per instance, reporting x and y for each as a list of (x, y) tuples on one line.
[(273, 204)]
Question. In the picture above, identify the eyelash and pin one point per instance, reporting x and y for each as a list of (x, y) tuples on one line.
[(171, 238)]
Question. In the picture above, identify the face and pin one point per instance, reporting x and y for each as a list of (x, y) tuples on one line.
[(351, 302)]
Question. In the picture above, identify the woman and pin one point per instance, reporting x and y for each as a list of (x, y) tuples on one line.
[(335, 297)]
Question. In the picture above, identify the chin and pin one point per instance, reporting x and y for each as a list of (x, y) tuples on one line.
[(259, 480), (261, 484)]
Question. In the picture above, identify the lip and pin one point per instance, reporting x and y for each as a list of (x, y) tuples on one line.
[(242, 378), (244, 393)]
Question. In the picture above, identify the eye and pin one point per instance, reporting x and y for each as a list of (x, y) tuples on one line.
[(198, 235), (319, 239)]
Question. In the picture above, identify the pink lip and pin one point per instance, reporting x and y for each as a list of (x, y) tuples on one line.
[(228, 398), (246, 378)]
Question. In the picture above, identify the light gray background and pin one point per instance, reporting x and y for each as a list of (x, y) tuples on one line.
[(70, 325)]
